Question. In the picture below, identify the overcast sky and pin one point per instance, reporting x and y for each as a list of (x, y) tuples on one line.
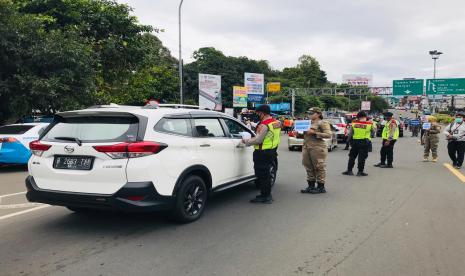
[(389, 39)]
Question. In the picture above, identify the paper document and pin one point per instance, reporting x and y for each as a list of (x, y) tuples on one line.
[(246, 135)]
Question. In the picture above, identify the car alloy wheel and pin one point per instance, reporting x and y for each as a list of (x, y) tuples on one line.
[(193, 200)]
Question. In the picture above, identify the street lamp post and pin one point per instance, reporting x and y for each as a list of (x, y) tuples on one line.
[(180, 55), (435, 56)]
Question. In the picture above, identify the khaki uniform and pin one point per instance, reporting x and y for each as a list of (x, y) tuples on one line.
[(315, 151), (431, 140)]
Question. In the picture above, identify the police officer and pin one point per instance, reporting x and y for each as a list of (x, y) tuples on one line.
[(266, 143), (431, 139), (455, 135), (315, 151), (390, 135), (359, 137)]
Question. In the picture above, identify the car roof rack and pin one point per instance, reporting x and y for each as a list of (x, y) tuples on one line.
[(104, 106), (185, 106)]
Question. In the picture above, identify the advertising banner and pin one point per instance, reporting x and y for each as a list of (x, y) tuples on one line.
[(254, 83), (210, 91), (239, 96), (273, 87), (279, 107), (255, 98), (366, 105), (358, 79)]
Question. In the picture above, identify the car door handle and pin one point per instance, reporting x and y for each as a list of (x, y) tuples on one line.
[(204, 145)]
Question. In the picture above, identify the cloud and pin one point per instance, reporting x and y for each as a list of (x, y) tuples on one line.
[(389, 39)]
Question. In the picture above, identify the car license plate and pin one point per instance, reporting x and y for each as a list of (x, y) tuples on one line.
[(73, 162)]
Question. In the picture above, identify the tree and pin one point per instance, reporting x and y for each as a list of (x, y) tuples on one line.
[(41, 70)]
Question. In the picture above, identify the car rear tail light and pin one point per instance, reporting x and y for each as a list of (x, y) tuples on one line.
[(131, 150), (292, 134), (135, 198), (341, 125), (8, 140), (38, 148)]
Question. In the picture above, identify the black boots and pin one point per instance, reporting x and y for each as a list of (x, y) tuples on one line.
[(362, 174), (311, 186), (319, 190), (348, 173), (262, 199)]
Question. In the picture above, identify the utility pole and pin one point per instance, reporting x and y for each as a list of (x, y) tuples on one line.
[(181, 101), (293, 103), (435, 56)]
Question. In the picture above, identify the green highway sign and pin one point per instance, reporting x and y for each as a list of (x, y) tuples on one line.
[(407, 87), (445, 86)]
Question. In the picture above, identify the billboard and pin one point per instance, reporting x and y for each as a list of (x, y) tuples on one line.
[(210, 91), (273, 87), (358, 79), (254, 83), (366, 105), (279, 107), (239, 96)]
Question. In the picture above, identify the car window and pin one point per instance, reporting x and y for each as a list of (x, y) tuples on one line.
[(15, 129), (95, 129), (334, 121), (235, 129), (210, 127), (175, 126)]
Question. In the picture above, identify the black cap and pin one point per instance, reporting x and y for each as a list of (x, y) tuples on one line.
[(460, 113), (361, 114), (264, 108), (388, 114)]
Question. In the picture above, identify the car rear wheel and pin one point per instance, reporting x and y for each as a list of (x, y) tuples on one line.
[(191, 199)]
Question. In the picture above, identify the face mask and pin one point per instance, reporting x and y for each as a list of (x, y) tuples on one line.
[(459, 120)]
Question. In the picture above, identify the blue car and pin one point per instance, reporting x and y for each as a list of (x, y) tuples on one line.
[(15, 139)]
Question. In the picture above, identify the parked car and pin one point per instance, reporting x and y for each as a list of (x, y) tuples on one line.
[(341, 124), (15, 139), (139, 159), (295, 140)]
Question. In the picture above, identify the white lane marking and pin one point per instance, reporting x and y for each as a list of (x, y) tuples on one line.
[(8, 195), (23, 212), (17, 206)]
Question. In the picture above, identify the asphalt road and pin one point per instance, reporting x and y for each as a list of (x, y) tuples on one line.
[(403, 221)]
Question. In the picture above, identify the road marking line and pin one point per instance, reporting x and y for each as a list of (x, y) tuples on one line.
[(23, 212), (455, 172), (20, 205), (7, 195)]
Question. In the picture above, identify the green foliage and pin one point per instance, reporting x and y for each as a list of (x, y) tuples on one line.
[(444, 118), (67, 54)]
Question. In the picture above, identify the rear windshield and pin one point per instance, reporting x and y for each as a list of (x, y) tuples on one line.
[(335, 121), (94, 129), (14, 130)]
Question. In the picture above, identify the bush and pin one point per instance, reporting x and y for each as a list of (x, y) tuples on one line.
[(444, 119)]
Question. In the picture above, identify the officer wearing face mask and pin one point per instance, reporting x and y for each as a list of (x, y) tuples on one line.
[(265, 155), (455, 135)]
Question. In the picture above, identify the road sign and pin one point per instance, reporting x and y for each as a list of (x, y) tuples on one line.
[(407, 87), (445, 86)]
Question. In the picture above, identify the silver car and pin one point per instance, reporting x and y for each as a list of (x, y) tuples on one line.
[(296, 140)]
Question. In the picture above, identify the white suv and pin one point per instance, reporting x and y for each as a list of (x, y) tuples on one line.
[(139, 159)]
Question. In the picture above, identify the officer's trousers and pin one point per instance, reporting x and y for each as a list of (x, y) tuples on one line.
[(263, 160), (456, 151), (359, 149), (387, 152), (314, 161), (431, 144)]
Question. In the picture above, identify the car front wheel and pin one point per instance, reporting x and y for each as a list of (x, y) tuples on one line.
[(191, 199)]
